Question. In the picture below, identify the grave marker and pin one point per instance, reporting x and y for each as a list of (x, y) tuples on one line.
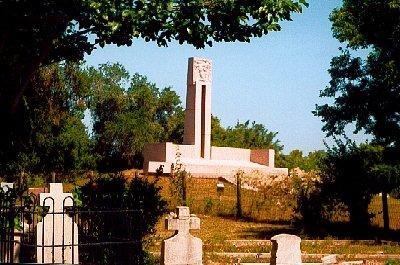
[(57, 229), (285, 250), (182, 248)]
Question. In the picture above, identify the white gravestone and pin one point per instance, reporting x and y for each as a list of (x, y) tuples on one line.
[(50, 244), (285, 250), (182, 248), (6, 186), (329, 260)]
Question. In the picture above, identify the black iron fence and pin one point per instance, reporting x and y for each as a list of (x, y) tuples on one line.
[(34, 232)]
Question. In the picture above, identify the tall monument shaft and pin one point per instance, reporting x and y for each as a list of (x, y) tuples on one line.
[(198, 106)]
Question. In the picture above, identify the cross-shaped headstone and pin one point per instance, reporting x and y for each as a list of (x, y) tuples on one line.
[(5, 186), (60, 198), (184, 221), (182, 248), (57, 229)]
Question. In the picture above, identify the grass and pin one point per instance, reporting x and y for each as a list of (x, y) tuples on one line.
[(265, 217), (203, 198), (217, 234), (394, 212), (219, 226)]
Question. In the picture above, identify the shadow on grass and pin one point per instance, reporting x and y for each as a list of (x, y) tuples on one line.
[(339, 231), (347, 231), (254, 220)]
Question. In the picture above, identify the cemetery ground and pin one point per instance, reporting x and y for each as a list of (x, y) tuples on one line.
[(227, 238)]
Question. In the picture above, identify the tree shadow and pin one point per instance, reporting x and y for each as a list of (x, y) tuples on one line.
[(339, 231)]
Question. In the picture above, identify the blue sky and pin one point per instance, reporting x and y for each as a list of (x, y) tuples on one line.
[(274, 80)]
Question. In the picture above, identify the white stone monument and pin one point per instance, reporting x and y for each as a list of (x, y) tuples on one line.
[(198, 107), (197, 156), (182, 248), (57, 229), (285, 250)]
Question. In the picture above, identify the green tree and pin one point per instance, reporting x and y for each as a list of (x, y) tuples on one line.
[(308, 163), (218, 133), (244, 135), (348, 175), (50, 135), (141, 207), (38, 33), (366, 91), (293, 160), (129, 112)]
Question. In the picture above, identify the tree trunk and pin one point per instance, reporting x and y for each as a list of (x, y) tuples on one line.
[(359, 217), (184, 189), (385, 211), (27, 75), (239, 212)]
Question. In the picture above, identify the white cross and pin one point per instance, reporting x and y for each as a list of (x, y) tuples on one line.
[(57, 194), (183, 221)]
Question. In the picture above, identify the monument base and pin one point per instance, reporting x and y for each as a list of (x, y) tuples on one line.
[(225, 161)]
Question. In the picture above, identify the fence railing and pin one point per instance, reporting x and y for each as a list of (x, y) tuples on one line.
[(63, 234)]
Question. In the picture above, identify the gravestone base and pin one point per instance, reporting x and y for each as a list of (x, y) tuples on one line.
[(182, 248)]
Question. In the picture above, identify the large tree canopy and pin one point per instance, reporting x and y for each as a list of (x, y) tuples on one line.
[(129, 112), (35, 33), (244, 135), (50, 134), (365, 91)]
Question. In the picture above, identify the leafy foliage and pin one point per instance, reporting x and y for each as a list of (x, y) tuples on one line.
[(136, 205), (295, 159), (41, 33), (348, 175), (244, 135), (49, 134), (365, 91), (129, 112), (34, 35)]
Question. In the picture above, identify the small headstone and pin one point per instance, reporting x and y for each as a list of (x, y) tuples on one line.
[(285, 250), (5, 186), (182, 248), (57, 229), (330, 259)]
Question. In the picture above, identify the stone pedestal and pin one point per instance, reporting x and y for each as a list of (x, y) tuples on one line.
[(285, 250), (182, 248)]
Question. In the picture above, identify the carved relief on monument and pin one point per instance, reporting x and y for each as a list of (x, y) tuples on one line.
[(202, 69)]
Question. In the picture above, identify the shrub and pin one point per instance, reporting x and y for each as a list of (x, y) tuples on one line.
[(208, 205), (274, 196), (128, 212)]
